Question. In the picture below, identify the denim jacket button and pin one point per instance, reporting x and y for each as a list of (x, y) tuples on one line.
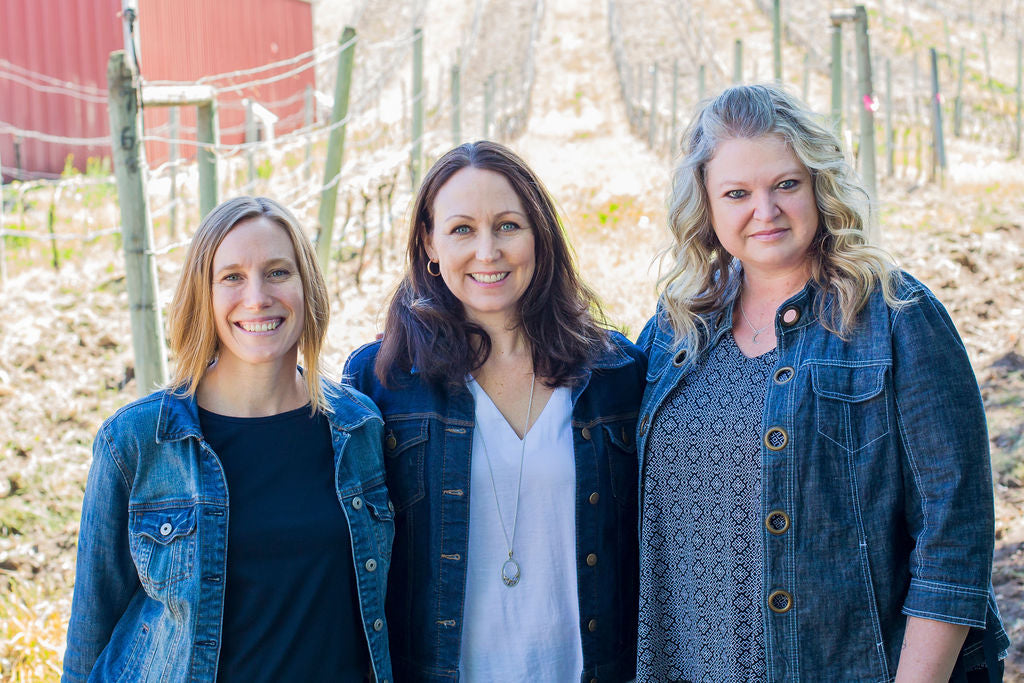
[(391, 442), (783, 374), (776, 438), (679, 358), (378, 624), (357, 503), (371, 565), (594, 497), (586, 433), (790, 316), (391, 506), (591, 560), (777, 522), (592, 625), (780, 601), (643, 426), (166, 529)]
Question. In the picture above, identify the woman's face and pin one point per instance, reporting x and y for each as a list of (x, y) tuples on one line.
[(257, 295), (483, 243), (762, 204)]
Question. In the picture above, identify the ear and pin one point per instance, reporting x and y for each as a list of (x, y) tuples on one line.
[(428, 246)]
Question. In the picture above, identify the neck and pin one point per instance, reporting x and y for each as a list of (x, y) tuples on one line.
[(769, 290), (241, 390), (507, 342)]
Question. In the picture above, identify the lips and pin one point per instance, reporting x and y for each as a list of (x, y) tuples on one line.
[(260, 325), (488, 278)]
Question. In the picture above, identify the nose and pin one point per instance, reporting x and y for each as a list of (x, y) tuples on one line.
[(257, 295), (765, 206), (486, 247)]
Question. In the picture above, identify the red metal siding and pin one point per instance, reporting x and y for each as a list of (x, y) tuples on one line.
[(65, 39), (181, 40), (184, 40)]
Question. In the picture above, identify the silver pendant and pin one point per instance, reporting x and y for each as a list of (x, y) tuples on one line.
[(756, 332), (510, 572)]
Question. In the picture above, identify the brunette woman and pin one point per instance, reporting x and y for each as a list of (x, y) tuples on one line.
[(235, 525), (509, 418)]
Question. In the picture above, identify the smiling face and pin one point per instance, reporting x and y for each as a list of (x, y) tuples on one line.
[(483, 243), (762, 205), (257, 296)]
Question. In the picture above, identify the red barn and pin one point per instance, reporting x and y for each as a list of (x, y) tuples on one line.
[(53, 66)]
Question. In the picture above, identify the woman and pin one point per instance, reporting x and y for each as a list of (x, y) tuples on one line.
[(816, 492), (509, 416), (236, 526)]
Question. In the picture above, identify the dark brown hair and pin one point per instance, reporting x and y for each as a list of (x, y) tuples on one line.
[(426, 326)]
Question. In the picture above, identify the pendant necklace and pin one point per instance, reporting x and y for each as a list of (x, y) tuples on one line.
[(750, 324), (510, 572)]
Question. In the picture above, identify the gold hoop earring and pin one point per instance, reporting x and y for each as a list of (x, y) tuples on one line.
[(433, 263)]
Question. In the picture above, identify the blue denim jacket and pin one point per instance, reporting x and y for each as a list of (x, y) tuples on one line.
[(428, 440), (876, 452), (149, 587)]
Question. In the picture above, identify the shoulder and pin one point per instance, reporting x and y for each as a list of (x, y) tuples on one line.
[(142, 415), (350, 408), (619, 352), (362, 359)]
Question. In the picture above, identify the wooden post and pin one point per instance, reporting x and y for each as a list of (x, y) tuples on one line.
[(206, 157), (702, 89), (988, 62), (958, 102), (250, 138), (737, 61), (653, 121), (488, 105), (335, 148), (456, 105), (51, 220), (837, 77), (416, 150), (777, 40), (308, 118), (675, 104), (867, 115), (890, 152), (938, 143), (137, 231), (1016, 148), (805, 86), (173, 118)]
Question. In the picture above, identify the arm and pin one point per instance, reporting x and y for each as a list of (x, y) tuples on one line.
[(947, 479), (105, 576), (929, 650)]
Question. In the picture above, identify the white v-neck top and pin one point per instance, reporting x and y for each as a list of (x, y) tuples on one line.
[(530, 631)]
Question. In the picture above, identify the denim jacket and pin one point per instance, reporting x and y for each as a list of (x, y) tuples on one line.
[(149, 588), (876, 488), (428, 440)]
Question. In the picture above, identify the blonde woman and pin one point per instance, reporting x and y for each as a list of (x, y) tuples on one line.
[(816, 487), (236, 526)]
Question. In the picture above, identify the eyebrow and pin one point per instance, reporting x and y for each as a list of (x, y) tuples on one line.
[(266, 264), (788, 172), (498, 215)]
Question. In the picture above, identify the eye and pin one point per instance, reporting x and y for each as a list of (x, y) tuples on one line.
[(736, 194), (508, 226), (231, 277), (279, 273), (461, 230), (788, 184)]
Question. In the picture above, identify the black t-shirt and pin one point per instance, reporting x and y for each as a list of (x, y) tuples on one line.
[(291, 610)]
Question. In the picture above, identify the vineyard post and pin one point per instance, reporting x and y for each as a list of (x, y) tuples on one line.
[(938, 143), (867, 114), (136, 228), (308, 117), (250, 137), (958, 102), (675, 104), (702, 89), (805, 85), (988, 62), (488, 104), (456, 104), (172, 165), (653, 121), (777, 40), (890, 152), (206, 157), (837, 74), (1016, 147), (416, 151), (335, 147), (737, 61)]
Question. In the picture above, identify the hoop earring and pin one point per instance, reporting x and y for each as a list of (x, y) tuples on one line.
[(433, 263)]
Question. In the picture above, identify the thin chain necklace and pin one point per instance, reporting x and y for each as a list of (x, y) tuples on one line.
[(510, 572), (750, 324)]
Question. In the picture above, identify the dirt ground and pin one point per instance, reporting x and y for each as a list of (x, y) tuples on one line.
[(65, 342)]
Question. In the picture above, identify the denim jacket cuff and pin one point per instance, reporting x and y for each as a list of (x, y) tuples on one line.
[(952, 603)]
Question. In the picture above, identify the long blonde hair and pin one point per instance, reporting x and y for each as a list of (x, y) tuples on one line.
[(192, 331), (701, 277)]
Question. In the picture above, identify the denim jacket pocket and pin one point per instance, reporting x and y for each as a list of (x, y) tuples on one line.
[(620, 447), (405, 443), (851, 407), (383, 513), (163, 544)]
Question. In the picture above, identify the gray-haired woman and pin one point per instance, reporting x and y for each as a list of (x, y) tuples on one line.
[(816, 487)]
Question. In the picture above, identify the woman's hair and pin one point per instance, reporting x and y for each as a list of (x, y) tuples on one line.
[(426, 327), (702, 278), (193, 332)]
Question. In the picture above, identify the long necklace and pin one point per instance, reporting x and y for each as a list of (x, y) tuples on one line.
[(510, 572), (750, 324)]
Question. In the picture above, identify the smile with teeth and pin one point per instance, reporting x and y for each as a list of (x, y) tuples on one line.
[(489, 278), (261, 326)]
